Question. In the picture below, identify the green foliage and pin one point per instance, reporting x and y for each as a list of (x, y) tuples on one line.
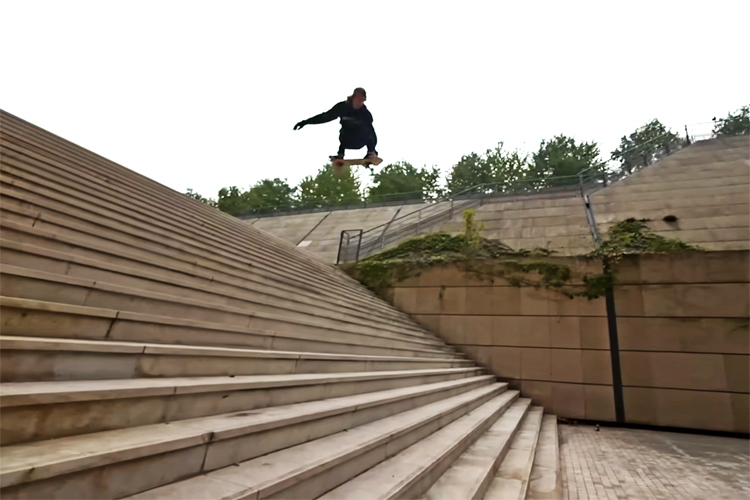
[(733, 124), (231, 200), (559, 160), (645, 146), (469, 250), (633, 236), (489, 260), (504, 169), (196, 196), (326, 190), (401, 181), (265, 196), (269, 195)]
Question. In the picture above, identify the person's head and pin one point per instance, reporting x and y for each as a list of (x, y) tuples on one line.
[(358, 97)]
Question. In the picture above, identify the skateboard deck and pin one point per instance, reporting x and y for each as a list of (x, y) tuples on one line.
[(340, 165)]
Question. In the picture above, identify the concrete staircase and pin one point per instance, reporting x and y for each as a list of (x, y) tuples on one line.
[(153, 347), (705, 186)]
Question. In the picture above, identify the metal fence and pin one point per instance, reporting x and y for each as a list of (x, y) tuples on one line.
[(355, 245)]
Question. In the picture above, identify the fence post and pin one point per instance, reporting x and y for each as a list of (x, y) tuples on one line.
[(687, 135), (359, 246), (419, 220), (341, 244)]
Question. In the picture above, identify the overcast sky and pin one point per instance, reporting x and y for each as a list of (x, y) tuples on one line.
[(205, 94)]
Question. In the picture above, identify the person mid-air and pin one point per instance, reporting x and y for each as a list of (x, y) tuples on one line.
[(356, 125)]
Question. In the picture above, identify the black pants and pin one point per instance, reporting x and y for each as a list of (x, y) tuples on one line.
[(356, 139)]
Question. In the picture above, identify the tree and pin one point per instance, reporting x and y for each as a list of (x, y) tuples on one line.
[(470, 171), (497, 170), (196, 196), (401, 181), (646, 145), (326, 190), (231, 201), (269, 196), (509, 168), (733, 124), (559, 160)]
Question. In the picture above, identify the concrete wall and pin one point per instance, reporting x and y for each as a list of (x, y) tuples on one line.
[(318, 233), (555, 222), (682, 329), (706, 186), (683, 332)]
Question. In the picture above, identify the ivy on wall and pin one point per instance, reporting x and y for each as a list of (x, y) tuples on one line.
[(490, 260)]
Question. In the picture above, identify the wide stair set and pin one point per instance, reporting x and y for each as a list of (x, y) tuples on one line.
[(154, 347)]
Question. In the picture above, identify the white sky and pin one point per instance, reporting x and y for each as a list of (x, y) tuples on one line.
[(205, 94)]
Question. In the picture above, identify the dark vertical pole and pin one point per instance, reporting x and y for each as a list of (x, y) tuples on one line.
[(359, 245), (341, 243), (614, 351), (687, 135)]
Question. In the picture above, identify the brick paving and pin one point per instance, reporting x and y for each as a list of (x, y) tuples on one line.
[(618, 464)]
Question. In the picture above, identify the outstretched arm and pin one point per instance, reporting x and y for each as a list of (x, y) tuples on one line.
[(326, 117)]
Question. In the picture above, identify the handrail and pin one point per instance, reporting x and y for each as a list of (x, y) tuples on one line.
[(586, 182)]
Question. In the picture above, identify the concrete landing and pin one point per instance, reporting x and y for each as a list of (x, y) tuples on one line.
[(629, 464)]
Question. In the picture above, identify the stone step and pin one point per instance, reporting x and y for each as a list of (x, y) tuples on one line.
[(700, 192), (472, 473), (422, 466), (611, 211), (172, 269), (123, 238), (728, 178), (712, 235), (356, 290), (37, 174), (163, 454), (696, 162), (573, 210), (34, 411), (686, 223), (28, 256), (312, 469), (546, 481), (512, 479), (61, 157), (38, 285), (37, 359), (730, 204), (30, 318)]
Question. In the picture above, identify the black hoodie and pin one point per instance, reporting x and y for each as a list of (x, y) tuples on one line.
[(352, 120)]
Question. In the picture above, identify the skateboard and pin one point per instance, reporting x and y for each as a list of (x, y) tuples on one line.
[(340, 165)]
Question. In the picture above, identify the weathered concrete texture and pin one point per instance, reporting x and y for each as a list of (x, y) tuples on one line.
[(628, 464), (318, 233), (682, 327), (706, 186)]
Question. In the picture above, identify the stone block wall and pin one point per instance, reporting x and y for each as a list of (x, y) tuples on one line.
[(682, 324)]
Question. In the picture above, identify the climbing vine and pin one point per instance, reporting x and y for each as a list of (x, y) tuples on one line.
[(489, 260), (632, 236)]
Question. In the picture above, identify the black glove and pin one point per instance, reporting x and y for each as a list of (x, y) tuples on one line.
[(300, 125)]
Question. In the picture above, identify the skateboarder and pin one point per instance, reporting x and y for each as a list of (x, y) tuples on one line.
[(356, 124)]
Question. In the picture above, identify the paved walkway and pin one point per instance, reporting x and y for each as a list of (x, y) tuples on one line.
[(617, 464)]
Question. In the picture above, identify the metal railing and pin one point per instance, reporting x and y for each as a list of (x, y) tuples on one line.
[(426, 218), (349, 245), (602, 175), (582, 184)]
